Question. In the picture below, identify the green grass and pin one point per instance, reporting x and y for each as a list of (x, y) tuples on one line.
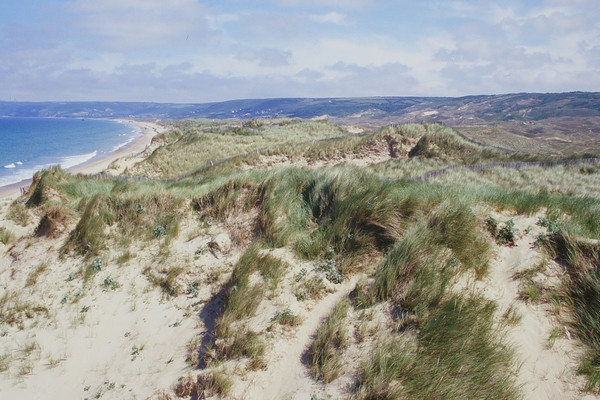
[(427, 234), (6, 236), (241, 301), (418, 265), (214, 382), (166, 279), (286, 317), (200, 144), (325, 352), (581, 260), (18, 213), (457, 354)]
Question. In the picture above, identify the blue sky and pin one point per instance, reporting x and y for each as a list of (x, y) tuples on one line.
[(201, 51)]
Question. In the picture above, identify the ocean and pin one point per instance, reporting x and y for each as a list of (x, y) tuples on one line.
[(28, 145)]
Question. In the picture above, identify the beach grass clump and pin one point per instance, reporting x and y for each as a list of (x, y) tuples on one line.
[(46, 185), (15, 311), (6, 236), (242, 298), (235, 194), (137, 211), (286, 317), (352, 212), (35, 274), (54, 221), (430, 253), (582, 262), (325, 352), (88, 238), (215, 382), (456, 354), (356, 214), (167, 279), (18, 213)]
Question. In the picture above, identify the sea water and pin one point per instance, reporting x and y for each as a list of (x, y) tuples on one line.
[(28, 145)]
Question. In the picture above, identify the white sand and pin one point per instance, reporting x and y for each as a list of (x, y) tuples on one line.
[(546, 372)]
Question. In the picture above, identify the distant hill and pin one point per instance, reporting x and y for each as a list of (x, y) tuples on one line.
[(450, 110)]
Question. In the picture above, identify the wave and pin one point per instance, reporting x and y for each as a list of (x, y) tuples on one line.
[(71, 161), (11, 165), (136, 133), (27, 173)]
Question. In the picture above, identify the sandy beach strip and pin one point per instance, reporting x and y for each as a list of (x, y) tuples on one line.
[(149, 130)]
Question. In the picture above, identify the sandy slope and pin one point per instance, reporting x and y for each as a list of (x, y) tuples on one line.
[(287, 376), (546, 371), (98, 342)]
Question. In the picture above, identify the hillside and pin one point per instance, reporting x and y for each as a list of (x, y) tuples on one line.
[(450, 110), (561, 124), (303, 259)]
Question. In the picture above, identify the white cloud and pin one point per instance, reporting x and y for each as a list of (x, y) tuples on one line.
[(265, 56), (136, 24), (339, 4), (331, 17), (187, 50)]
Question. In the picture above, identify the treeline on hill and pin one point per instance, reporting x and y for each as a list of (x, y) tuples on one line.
[(410, 242)]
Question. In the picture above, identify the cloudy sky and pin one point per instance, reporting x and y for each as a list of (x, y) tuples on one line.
[(201, 51)]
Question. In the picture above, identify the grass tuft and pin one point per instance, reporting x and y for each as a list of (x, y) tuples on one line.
[(325, 351)]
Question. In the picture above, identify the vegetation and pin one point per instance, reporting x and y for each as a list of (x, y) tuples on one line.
[(582, 261), (326, 351), (411, 242)]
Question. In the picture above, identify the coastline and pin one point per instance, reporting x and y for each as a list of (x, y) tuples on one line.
[(148, 129)]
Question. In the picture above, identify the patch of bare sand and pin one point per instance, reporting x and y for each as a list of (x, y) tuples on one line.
[(74, 339), (546, 371)]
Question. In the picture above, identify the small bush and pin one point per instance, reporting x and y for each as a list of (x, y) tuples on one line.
[(507, 234), (159, 231), (492, 225), (286, 317), (110, 283)]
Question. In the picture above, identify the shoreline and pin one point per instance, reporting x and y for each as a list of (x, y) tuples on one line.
[(148, 131)]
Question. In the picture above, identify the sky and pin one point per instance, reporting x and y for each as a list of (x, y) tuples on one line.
[(194, 51)]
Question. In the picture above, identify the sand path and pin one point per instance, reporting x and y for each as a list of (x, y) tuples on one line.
[(546, 372), (287, 377)]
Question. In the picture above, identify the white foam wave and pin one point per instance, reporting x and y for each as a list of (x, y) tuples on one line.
[(68, 162), (19, 163), (136, 133), (11, 165)]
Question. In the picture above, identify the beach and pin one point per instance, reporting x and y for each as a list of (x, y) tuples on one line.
[(148, 129)]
